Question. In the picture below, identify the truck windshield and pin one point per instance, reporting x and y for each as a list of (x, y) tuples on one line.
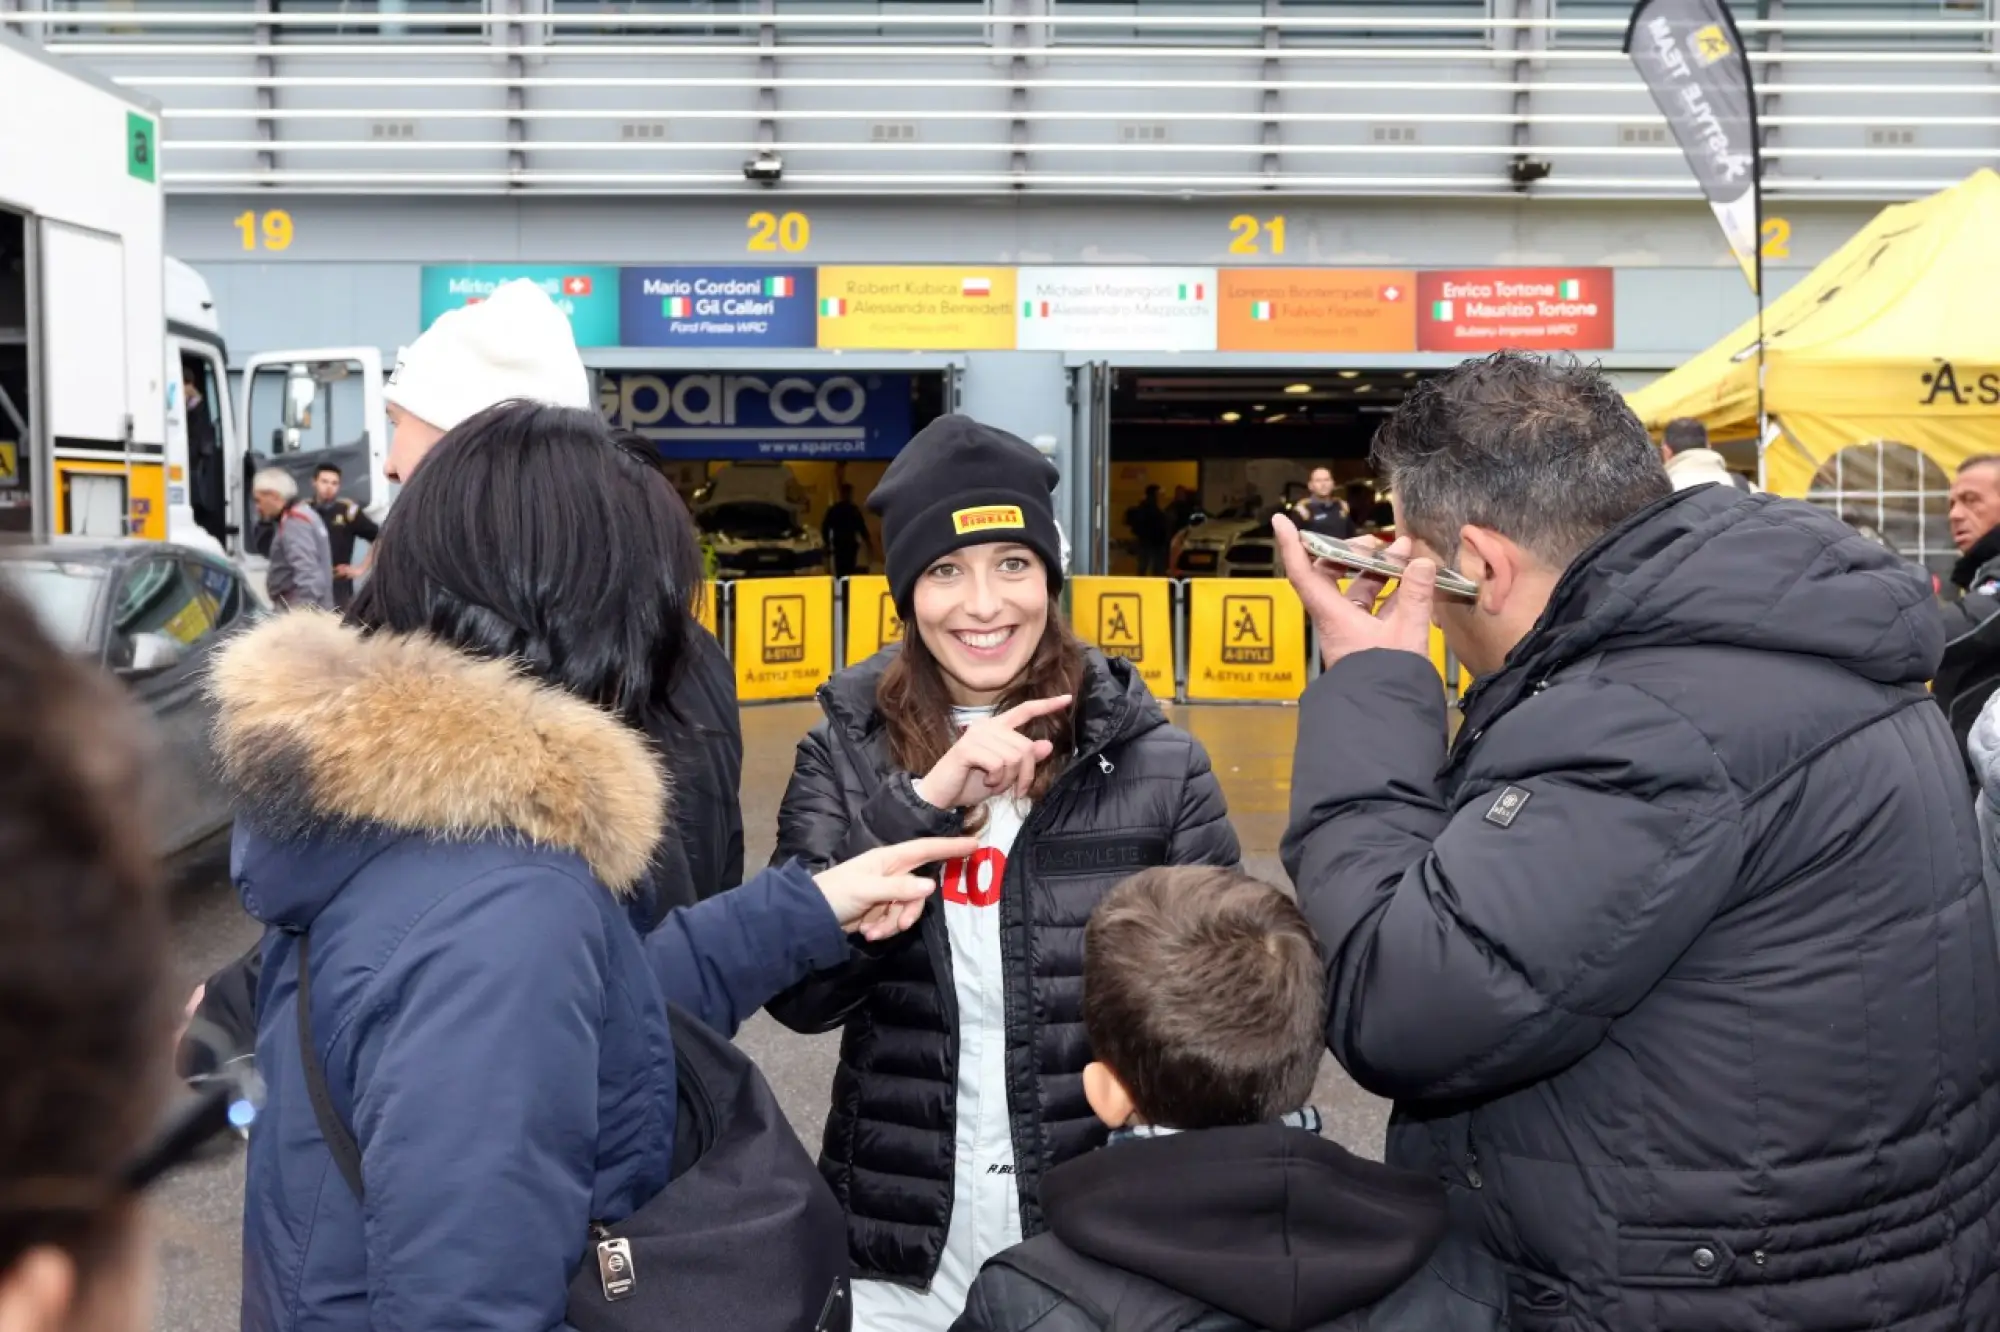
[(63, 596)]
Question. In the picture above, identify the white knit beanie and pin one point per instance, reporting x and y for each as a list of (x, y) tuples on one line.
[(513, 344)]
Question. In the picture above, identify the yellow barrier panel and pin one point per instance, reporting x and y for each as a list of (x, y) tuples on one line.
[(784, 636), (872, 622), (1131, 618), (1246, 640)]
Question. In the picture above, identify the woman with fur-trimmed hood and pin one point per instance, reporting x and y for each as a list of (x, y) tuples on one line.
[(449, 798)]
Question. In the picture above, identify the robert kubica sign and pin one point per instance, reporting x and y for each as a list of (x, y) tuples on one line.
[(768, 416), (718, 307)]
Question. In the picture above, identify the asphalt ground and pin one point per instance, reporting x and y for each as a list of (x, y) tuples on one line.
[(198, 1212)]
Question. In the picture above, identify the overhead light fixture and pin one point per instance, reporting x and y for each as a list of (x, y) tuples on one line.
[(1350, 374), (1364, 388), (1258, 407), (1276, 417), (1298, 388), (1409, 374), (1232, 417)]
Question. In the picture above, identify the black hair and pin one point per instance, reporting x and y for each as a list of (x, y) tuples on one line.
[(327, 467), (645, 451), (1684, 433), (532, 532)]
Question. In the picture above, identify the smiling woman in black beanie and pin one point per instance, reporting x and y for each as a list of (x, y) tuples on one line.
[(960, 1078)]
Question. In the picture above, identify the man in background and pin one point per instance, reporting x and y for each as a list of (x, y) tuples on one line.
[(1690, 462), (1320, 511), (301, 573), (345, 522), (1971, 670), (1151, 536), (845, 531)]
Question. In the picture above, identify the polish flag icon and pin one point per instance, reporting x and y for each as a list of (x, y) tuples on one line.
[(976, 286), (576, 286), (1391, 294)]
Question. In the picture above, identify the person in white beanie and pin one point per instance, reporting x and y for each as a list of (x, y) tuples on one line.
[(513, 344)]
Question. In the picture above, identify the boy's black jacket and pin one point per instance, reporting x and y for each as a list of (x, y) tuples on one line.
[(1265, 1227)]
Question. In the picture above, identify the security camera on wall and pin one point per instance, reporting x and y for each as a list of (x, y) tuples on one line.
[(765, 169)]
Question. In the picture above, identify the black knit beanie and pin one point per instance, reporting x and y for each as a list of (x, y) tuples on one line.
[(959, 484)]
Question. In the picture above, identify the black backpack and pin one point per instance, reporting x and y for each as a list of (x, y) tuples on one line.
[(746, 1237)]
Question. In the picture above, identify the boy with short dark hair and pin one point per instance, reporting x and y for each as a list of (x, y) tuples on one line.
[(1217, 1205)]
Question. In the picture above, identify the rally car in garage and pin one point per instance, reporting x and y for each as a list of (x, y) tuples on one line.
[(749, 519)]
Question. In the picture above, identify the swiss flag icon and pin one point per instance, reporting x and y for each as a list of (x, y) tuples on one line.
[(576, 286), (1392, 293)]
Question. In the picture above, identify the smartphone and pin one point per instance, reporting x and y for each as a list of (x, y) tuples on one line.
[(1339, 552)]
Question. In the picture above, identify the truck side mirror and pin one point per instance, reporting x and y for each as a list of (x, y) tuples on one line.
[(300, 393)]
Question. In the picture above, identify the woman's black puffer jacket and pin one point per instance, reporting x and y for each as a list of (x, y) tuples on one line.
[(1138, 792)]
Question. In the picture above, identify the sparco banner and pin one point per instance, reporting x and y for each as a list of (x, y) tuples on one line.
[(1693, 62)]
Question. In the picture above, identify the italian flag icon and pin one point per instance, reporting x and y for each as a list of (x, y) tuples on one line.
[(1441, 310), (678, 307), (1571, 290), (1192, 291), (832, 307), (780, 286), (1034, 309), (1261, 311)]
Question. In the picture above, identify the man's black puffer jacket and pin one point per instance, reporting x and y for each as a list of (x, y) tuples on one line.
[(1679, 964), (1139, 792)]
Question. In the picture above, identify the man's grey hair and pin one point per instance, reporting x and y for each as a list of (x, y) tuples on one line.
[(275, 481), (1542, 450)]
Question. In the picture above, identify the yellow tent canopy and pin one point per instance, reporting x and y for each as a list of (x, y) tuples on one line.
[(1896, 337)]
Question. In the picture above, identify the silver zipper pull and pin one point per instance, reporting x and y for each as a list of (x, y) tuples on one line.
[(615, 1268), (1105, 765)]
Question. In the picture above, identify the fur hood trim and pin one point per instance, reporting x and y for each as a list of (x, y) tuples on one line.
[(319, 724)]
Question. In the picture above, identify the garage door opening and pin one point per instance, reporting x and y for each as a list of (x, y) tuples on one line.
[(769, 463), (16, 382), (1228, 450)]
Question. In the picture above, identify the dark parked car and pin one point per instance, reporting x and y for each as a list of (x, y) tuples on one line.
[(150, 613)]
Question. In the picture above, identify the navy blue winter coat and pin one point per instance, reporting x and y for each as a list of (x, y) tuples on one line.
[(459, 841)]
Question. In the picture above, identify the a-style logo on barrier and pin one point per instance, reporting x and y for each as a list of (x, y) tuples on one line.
[(1247, 631), (1132, 618), (889, 624), (1120, 626), (784, 630)]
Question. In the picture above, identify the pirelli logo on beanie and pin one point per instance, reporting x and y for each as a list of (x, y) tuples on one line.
[(987, 518)]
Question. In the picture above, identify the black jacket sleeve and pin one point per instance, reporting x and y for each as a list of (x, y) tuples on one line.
[(814, 825), (1472, 947), (225, 1023), (1202, 834), (1965, 617), (359, 523), (1005, 1300)]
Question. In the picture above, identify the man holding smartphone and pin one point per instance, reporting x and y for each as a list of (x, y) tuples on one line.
[(1677, 963)]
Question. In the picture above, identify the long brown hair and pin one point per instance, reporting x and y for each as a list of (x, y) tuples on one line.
[(915, 702)]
